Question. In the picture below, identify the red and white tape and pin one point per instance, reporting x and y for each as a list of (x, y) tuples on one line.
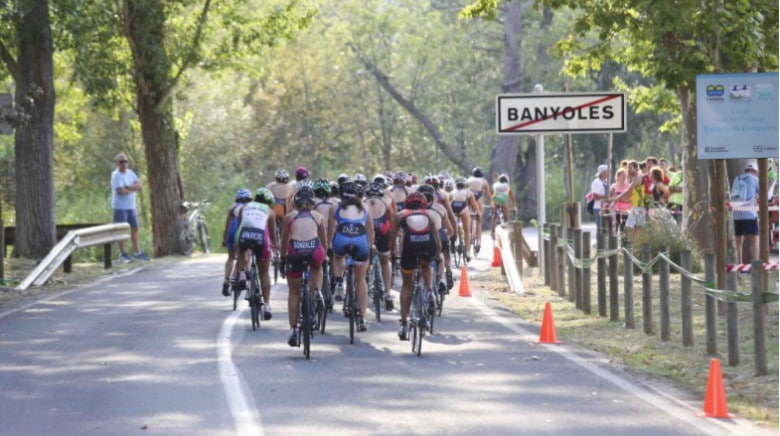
[(743, 268)]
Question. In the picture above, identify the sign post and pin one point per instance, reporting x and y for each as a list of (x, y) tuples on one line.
[(540, 113)]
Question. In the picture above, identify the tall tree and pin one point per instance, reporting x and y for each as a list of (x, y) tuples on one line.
[(165, 40), (27, 25)]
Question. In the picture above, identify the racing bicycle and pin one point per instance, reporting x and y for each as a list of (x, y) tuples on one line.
[(191, 227)]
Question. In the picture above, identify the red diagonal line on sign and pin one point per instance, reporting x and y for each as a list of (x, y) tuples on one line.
[(591, 103)]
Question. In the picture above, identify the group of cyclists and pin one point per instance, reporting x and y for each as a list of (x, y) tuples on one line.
[(309, 222)]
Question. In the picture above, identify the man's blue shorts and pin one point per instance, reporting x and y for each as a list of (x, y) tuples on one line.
[(746, 227), (126, 216)]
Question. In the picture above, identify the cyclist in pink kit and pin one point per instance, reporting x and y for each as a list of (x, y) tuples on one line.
[(303, 241)]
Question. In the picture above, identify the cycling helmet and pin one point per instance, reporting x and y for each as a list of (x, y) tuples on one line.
[(305, 184), (503, 178), (444, 175), (476, 172), (304, 198), (282, 175), (432, 180), (264, 195), (243, 194), (351, 189), (380, 178), (301, 173), (321, 188), (427, 191), (375, 190), (360, 179), (460, 182), (416, 200), (343, 178), (449, 185), (399, 178)]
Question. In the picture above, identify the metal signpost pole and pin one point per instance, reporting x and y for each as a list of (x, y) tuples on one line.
[(540, 198)]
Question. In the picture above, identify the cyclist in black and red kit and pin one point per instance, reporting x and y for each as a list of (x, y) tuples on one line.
[(420, 243)]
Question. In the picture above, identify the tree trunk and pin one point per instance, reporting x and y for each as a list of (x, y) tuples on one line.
[(145, 26), (35, 221), (505, 155), (697, 217)]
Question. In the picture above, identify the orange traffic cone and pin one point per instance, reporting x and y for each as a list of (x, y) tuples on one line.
[(496, 256), (465, 290), (547, 335), (715, 397)]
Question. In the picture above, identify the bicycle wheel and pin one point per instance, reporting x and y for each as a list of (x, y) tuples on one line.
[(203, 238), (322, 315), (236, 294), (184, 239), (256, 298), (306, 326), (378, 290), (414, 337), (440, 305), (352, 315)]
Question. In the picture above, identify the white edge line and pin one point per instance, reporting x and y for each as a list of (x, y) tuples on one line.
[(238, 394), (644, 392)]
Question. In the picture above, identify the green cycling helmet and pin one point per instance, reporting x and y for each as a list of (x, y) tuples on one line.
[(264, 195)]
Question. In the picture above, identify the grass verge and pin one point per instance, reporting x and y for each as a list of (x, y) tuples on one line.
[(749, 396)]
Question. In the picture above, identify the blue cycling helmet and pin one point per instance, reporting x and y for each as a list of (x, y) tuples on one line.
[(243, 194)]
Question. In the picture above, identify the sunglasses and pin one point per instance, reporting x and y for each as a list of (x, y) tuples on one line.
[(121, 161)]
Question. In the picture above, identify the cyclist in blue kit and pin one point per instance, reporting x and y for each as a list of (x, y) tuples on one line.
[(351, 231)]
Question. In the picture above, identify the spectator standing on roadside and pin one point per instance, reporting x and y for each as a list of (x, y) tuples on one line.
[(124, 184), (598, 190), (746, 222), (675, 204)]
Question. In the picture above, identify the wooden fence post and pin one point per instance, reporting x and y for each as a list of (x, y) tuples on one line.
[(647, 293), (561, 250), (759, 338), (628, 285), (686, 302), (710, 310), (614, 303), (546, 260), (572, 271), (663, 284), (578, 271), (586, 272), (601, 274), (552, 254), (732, 317)]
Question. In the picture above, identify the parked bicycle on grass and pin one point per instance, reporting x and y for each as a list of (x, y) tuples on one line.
[(192, 228)]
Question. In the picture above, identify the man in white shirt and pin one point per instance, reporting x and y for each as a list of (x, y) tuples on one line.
[(598, 190)]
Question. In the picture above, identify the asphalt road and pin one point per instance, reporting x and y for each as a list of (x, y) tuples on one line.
[(159, 351)]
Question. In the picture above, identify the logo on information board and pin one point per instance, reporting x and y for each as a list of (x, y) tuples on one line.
[(739, 93)]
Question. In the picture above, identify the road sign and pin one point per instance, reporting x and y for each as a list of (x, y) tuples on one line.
[(6, 106), (520, 114), (737, 115)]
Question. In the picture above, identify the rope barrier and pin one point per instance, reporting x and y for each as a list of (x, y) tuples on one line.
[(709, 287)]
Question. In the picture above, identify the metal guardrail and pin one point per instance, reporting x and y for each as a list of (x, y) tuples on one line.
[(513, 276), (102, 234)]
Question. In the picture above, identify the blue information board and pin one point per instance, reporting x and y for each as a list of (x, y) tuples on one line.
[(737, 115)]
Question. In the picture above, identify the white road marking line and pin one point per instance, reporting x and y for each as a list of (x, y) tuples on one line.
[(238, 394), (660, 400)]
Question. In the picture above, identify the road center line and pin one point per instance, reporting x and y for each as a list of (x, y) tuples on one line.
[(238, 394)]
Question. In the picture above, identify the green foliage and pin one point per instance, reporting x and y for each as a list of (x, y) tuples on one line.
[(661, 230)]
